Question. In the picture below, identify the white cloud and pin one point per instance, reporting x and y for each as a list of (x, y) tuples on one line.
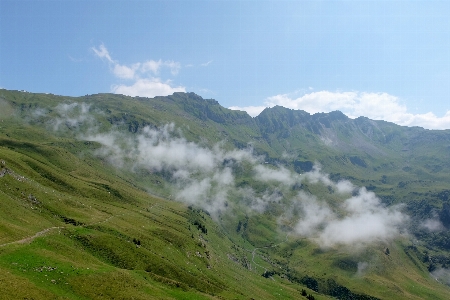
[(442, 275), (206, 63), (360, 228), (155, 66), (102, 52), (280, 174), (314, 102), (315, 215), (362, 268), (433, 224), (147, 87), (201, 176), (173, 66), (70, 115), (358, 220), (74, 59), (125, 72), (344, 186), (152, 65), (376, 106), (316, 176), (251, 110), (145, 84)]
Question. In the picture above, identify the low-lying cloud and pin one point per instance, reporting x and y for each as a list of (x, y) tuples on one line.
[(200, 175), (362, 268), (208, 178), (442, 275), (67, 115), (432, 224), (358, 220)]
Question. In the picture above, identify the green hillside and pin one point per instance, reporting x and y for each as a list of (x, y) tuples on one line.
[(113, 197)]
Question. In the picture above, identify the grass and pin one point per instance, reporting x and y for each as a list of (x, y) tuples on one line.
[(96, 254)]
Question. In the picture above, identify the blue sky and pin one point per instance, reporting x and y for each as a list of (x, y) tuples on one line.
[(385, 60)]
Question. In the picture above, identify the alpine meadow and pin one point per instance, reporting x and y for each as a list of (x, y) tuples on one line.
[(107, 196)]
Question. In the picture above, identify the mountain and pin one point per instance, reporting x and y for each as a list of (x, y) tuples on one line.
[(108, 196)]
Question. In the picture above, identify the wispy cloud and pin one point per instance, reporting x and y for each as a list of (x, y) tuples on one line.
[(376, 106), (206, 63), (442, 275), (144, 75), (71, 115), (74, 59), (173, 65), (103, 53), (432, 224)]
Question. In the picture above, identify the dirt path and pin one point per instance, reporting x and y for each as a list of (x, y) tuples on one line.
[(31, 238), (266, 247), (41, 233)]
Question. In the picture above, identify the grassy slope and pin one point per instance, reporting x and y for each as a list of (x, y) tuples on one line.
[(95, 213), (93, 216), (89, 251)]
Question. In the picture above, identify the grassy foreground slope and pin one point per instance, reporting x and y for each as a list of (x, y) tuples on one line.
[(73, 226)]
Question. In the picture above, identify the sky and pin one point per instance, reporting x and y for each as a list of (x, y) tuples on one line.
[(386, 60)]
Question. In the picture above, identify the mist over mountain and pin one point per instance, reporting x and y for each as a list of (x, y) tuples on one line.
[(351, 194)]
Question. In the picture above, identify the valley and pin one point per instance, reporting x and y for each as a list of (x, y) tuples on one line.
[(114, 197)]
